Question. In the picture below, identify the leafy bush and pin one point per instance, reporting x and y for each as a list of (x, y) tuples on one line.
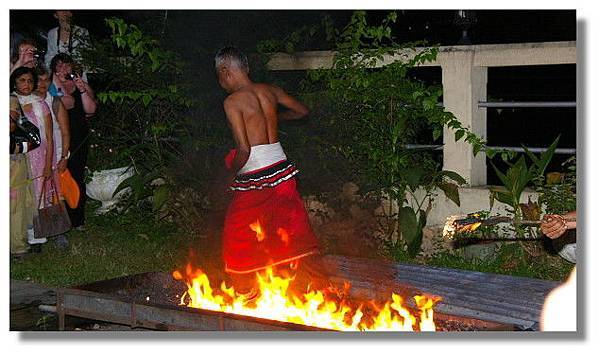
[(146, 118), (378, 110), (558, 190), (519, 175)]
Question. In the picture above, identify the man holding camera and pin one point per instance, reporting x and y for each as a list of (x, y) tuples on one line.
[(26, 54)]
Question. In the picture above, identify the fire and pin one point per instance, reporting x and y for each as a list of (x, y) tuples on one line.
[(283, 234), (313, 308), (449, 227), (257, 228), (452, 226), (329, 309)]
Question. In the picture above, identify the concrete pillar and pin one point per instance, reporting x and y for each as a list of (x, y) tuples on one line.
[(464, 85)]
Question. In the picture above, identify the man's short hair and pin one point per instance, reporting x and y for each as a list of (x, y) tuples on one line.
[(20, 71), (233, 56)]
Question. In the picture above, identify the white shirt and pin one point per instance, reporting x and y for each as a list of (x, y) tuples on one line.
[(80, 38)]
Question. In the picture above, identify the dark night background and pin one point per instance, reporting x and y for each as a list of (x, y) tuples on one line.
[(198, 34)]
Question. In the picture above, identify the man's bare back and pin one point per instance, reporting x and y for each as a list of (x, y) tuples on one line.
[(257, 103), (251, 111)]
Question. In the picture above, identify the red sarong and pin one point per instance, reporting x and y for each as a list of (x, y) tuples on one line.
[(266, 223)]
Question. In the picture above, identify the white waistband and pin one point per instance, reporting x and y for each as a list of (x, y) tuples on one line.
[(263, 155)]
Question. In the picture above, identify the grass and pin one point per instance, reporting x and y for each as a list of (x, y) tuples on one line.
[(113, 245), (510, 259)]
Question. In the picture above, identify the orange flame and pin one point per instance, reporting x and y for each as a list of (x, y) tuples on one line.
[(256, 227), (283, 234), (450, 228), (312, 308)]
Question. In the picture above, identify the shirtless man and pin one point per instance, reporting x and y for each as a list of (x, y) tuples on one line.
[(266, 223)]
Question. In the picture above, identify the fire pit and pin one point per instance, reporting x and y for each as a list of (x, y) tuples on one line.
[(152, 300)]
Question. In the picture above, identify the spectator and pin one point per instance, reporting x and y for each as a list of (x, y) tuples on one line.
[(555, 226), (67, 38), (23, 81), (61, 133), (78, 99), (22, 207), (25, 55)]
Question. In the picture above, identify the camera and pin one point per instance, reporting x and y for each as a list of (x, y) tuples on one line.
[(38, 54), (70, 76)]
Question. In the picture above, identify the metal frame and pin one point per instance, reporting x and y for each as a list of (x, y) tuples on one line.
[(526, 104), (513, 149), (113, 309)]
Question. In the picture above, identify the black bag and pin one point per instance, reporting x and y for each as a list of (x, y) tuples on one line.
[(53, 219), (25, 132)]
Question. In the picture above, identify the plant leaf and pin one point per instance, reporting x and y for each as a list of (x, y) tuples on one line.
[(408, 224), (458, 134), (414, 246), (160, 196), (454, 176), (451, 191), (413, 176)]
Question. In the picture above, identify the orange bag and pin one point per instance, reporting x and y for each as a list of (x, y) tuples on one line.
[(69, 188)]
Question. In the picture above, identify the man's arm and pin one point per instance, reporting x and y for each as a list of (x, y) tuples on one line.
[(63, 122), (49, 144), (295, 109), (238, 129)]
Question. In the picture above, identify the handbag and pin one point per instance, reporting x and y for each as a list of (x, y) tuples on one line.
[(52, 219)]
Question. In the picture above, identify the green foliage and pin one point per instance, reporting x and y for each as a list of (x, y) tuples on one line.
[(142, 111), (518, 176), (136, 107), (559, 197), (378, 109)]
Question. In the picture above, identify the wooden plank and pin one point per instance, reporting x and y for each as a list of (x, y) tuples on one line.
[(502, 298)]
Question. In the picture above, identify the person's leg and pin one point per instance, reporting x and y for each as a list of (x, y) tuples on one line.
[(61, 241), (244, 283), (310, 274), (18, 206)]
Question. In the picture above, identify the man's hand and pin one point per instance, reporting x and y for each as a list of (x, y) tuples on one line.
[(553, 226)]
